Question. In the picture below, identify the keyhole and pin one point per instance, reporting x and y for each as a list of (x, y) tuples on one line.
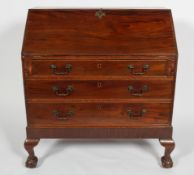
[(99, 66), (99, 107), (99, 84)]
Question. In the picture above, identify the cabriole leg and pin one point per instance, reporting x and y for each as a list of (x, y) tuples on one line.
[(169, 145), (29, 145)]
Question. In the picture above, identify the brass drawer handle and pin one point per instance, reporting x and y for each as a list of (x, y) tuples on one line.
[(136, 115), (137, 92), (67, 69), (69, 89), (144, 69), (59, 116)]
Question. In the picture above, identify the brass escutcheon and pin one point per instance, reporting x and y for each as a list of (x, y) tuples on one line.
[(99, 66), (99, 84), (99, 14)]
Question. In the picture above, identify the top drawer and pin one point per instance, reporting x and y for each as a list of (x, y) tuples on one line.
[(66, 68)]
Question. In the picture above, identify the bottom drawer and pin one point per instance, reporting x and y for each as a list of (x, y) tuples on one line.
[(98, 115)]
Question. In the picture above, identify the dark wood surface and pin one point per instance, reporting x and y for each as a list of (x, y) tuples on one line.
[(80, 32), (91, 56), (117, 133), (39, 89), (99, 115), (99, 68)]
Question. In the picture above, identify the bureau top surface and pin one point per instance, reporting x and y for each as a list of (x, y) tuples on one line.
[(72, 32)]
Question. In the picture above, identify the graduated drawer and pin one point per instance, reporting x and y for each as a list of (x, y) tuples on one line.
[(114, 89), (96, 115), (65, 68)]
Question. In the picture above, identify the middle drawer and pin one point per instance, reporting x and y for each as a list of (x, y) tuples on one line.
[(114, 89)]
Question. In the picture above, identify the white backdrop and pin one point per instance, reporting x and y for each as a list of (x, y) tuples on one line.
[(94, 157)]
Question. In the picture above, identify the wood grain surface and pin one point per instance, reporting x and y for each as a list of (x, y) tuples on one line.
[(99, 76), (98, 115), (80, 32)]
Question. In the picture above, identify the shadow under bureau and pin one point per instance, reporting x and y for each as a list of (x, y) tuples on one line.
[(99, 74)]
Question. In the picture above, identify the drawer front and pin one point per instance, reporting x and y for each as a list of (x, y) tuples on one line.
[(61, 89), (67, 68), (96, 115)]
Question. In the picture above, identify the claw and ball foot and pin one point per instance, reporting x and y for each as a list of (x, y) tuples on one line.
[(29, 145), (169, 145)]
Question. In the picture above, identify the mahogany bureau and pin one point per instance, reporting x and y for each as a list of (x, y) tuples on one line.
[(99, 74)]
